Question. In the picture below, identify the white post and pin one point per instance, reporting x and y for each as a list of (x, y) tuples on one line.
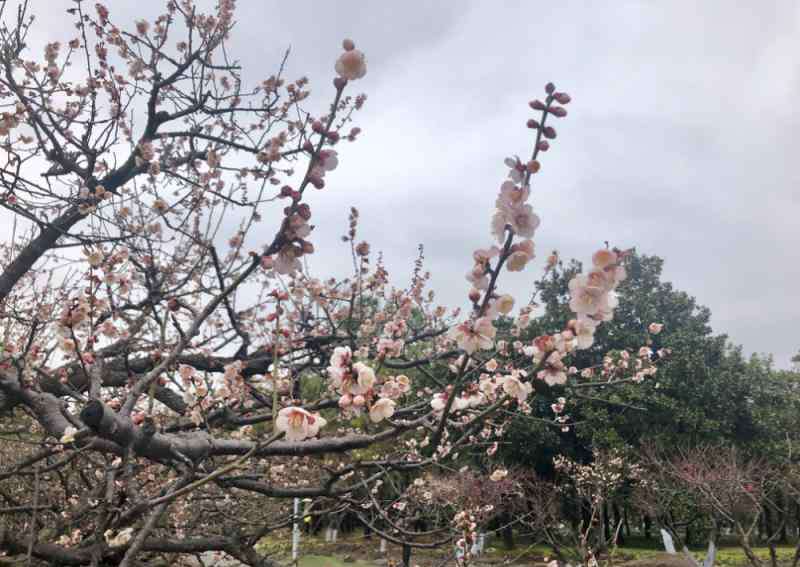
[(296, 531), (328, 534), (669, 545), (383, 545), (335, 535)]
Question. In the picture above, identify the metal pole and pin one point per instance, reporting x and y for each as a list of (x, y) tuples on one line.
[(296, 531)]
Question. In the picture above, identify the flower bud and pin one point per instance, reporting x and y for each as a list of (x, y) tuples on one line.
[(543, 146), (339, 83), (362, 249), (549, 132), (558, 111), (348, 44), (549, 88), (533, 166), (562, 98), (537, 104), (532, 124)]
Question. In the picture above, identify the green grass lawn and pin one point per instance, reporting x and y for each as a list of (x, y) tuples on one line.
[(331, 561), (353, 550), (729, 554)]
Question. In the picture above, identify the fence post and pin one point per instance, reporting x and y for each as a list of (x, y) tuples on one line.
[(296, 531)]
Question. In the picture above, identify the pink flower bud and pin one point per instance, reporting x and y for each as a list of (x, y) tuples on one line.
[(339, 83), (558, 111), (308, 146), (532, 124), (537, 104), (562, 98), (544, 145), (348, 44), (549, 132), (549, 88), (362, 249)]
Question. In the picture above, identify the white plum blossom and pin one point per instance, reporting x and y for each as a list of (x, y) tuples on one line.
[(514, 387), (584, 332), (351, 64), (474, 335), (341, 357), (516, 169), (286, 261), (403, 383), (477, 277), (439, 402), (521, 254), (521, 218), (505, 303), (511, 196), (298, 424), (382, 409), (366, 377), (553, 372)]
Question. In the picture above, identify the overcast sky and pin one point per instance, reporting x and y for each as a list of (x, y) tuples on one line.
[(681, 137)]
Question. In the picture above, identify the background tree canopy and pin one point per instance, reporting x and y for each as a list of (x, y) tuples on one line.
[(706, 391)]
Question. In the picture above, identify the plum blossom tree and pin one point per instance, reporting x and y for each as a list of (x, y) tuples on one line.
[(176, 376), (735, 490)]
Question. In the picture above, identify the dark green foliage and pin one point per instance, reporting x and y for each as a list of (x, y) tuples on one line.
[(705, 392)]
